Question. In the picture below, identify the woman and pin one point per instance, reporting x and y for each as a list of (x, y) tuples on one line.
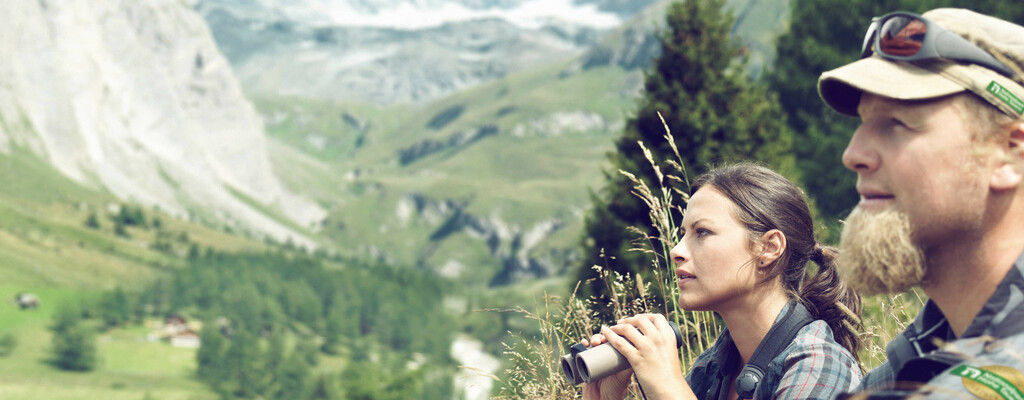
[(747, 236)]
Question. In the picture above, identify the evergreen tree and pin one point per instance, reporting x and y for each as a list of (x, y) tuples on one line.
[(716, 114), (334, 329), (275, 351), (293, 378), (309, 351), (74, 345), (7, 344), (120, 230), (92, 221), (75, 348), (210, 356), (133, 216), (824, 35), (243, 361), (114, 308), (66, 316), (326, 389)]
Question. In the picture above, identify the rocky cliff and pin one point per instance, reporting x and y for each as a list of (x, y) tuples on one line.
[(135, 98)]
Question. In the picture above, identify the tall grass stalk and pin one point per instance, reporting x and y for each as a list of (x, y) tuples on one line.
[(536, 373)]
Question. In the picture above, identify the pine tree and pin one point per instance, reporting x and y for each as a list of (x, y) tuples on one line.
[(115, 308), (92, 221), (293, 378), (75, 348), (824, 35), (716, 114), (243, 359), (275, 351), (334, 329), (74, 345), (325, 389), (210, 356)]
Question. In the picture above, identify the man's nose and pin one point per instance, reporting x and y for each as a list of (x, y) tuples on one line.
[(860, 156)]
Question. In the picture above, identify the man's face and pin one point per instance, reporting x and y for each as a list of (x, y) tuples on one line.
[(917, 157), (920, 184)]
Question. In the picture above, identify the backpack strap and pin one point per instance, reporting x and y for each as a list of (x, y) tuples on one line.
[(779, 336)]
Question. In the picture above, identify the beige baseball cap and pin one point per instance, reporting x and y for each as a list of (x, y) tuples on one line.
[(841, 88)]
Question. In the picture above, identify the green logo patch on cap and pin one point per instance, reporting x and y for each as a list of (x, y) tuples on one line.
[(1006, 96)]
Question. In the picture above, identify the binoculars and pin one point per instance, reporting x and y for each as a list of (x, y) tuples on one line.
[(589, 364)]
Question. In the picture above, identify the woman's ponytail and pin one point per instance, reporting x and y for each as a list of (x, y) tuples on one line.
[(828, 298)]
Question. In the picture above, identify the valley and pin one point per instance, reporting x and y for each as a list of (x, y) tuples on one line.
[(465, 150)]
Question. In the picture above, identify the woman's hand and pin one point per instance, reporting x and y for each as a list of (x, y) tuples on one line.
[(612, 387), (649, 344)]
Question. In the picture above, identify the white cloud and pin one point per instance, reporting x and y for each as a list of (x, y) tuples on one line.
[(531, 14)]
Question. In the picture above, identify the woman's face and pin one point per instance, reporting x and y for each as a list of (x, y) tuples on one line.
[(715, 263)]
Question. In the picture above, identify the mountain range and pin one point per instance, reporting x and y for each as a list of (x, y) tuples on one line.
[(484, 180), (461, 137), (388, 52)]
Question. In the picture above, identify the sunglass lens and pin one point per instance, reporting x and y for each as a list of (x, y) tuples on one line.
[(869, 38), (902, 36)]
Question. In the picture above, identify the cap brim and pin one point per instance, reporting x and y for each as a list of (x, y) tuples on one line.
[(841, 88)]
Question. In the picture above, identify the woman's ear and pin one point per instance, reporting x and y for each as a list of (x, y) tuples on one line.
[(773, 245), (1009, 170)]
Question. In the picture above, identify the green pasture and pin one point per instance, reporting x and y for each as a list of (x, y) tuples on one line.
[(129, 367)]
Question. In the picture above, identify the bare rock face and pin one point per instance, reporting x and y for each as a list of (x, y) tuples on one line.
[(134, 96)]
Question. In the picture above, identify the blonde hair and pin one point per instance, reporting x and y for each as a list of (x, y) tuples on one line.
[(986, 123)]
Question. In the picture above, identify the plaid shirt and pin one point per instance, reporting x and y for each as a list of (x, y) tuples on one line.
[(994, 338), (814, 366)]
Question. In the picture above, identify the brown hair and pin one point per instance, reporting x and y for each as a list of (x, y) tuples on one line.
[(765, 200)]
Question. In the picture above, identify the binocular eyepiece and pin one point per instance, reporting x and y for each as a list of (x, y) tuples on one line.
[(589, 364)]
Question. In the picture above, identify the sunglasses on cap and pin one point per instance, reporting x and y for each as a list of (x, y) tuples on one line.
[(905, 36)]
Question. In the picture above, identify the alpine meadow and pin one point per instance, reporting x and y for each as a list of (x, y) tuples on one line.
[(386, 199)]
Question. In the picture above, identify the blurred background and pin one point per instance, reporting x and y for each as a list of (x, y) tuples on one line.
[(368, 199)]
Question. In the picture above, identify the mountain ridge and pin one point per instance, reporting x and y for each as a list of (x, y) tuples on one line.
[(134, 97)]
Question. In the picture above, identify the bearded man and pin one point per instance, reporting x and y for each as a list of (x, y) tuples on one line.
[(939, 157)]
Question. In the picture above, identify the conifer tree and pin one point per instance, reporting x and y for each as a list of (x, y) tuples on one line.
[(75, 348), (293, 378), (243, 358), (74, 345), (115, 308), (334, 328), (210, 356), (92, 221), (715, 113)]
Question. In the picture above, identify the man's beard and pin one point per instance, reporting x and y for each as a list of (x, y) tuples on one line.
[(877, 253)]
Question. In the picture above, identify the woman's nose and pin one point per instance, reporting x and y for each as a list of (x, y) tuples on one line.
[(679, 253)]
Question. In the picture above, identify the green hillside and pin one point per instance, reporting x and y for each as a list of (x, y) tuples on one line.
[(485, 188), (458, 184), (47, 249), (516, 172)]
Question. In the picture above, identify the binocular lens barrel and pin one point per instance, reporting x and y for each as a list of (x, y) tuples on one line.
[(599, 362), (594, 363), (569, 369)]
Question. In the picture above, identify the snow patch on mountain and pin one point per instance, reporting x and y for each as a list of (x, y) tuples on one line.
[(530, 15)]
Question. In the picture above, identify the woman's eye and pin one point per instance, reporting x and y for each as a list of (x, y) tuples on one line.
[(701, 232)]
